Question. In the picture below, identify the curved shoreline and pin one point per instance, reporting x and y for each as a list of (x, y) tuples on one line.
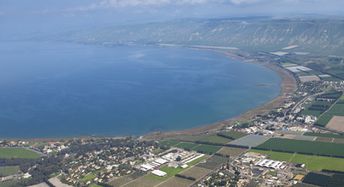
[(288, 86)]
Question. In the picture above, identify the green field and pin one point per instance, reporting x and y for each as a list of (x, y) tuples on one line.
[(300, 146), (320, 104), (316, 108), (9, 183), (8, 170), (186, 145), (9, 152), (232, 134), (88, 177), (210, 138), (169, 143), (214, 139), (202, 148), (327, 135), (231, 151), (208, 149), (336, 110), (171, 171), (148, 180), (313, 163)]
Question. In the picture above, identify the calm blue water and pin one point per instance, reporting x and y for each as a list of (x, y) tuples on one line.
[(62, 89)]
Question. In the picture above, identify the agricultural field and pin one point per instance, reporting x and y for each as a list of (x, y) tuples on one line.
[(214, 139), (298, 137), (307, 147), (148, 180), (8, 170), (202, 148), (231, 134), (336, 123), (328, 135), (207, 149), (9, 183), (9, 153), (321, 103), (324, 139), (196, 172), (186, 145), (119, 181), (231, 151), (316, 108), (169, 143), (209, 138), (249, 140), (324, 179), (313, 163), (213, 162), (338, 140), (176, 182), (336, 110)]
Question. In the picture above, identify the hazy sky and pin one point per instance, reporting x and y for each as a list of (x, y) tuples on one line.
[(172, 8), (33, 16)]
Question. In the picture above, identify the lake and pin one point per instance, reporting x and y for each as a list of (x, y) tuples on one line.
[(56, 89)]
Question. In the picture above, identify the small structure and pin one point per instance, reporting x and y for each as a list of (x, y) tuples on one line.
[(159, 173), (273, 164), (299, 177)]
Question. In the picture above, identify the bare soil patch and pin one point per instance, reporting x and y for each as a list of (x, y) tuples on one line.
[(336, 123)]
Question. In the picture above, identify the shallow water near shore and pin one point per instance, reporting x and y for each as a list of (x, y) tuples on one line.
[(54, 89)]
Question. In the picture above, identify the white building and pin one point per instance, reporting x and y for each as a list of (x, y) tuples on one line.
[(159, 173)]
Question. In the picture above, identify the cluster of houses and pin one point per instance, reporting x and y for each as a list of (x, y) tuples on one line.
[(173, 157)]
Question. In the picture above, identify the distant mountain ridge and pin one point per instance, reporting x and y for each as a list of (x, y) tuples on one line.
[(323, 36)]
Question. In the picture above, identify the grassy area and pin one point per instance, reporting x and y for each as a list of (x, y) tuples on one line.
[(231, 151), (8, 170), (214, 139), (186, 145), (316, 108), (300, 146), (9, 152), (171, 171), (210, 138), (207, 149), (321, 104), (148, 180), (9, 183), (119, 181), (313, 163), (327, 135), (213, 162), (202, 148), (169, 143), (95, 185), (88, 177), (232, 134), (176, 182)]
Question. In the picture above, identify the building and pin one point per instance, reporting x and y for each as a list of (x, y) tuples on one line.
[(159, 173)]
